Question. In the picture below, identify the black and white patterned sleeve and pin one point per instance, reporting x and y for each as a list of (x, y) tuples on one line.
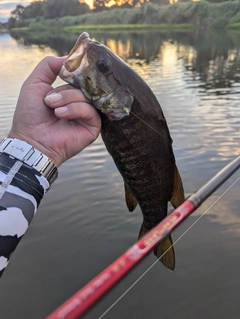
[(21, 191)]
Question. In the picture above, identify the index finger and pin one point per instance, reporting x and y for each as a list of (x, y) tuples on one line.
[(47, 70)]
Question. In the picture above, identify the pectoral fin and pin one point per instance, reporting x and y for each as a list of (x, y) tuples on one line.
[(178, 193), (164, 250), (130, 199)]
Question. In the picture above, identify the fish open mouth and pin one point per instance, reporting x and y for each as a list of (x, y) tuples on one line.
[(77, 53), (76, 61)]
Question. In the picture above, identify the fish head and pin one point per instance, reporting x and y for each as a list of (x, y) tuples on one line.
[(96, 70)]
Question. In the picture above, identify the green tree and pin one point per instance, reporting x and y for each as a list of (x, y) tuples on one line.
[(35, 9), (99, 5), (160, 2), (12, 23), (60, 8), (49, 9), (218, 1), (18, 12)]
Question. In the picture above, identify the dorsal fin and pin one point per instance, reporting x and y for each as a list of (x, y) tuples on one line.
[(130, 199), (178, 193)]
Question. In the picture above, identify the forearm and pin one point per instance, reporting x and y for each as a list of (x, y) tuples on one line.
[(59, 123), (21, 191)]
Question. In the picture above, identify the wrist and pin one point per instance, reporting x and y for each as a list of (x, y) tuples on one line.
[(26, 153)]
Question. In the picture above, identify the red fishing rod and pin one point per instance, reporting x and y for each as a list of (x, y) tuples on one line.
[(86, 297)]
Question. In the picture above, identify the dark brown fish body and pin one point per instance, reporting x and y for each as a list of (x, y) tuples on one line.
[(145, 160), (134, 131)]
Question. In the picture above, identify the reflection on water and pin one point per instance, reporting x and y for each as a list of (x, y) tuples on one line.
[(83, 224)]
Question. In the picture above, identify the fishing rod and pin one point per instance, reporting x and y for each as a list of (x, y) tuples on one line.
[(87, 296)]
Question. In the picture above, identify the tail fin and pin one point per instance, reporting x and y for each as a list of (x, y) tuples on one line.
[(166, 252), (163, 250)]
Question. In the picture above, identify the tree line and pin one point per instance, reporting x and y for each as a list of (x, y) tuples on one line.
[(53, 9), (50, 9)]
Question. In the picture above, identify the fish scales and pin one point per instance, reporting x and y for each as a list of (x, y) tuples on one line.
[(140, 161), (134, 131)]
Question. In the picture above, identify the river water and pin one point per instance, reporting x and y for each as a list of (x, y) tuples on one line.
[(83, 224)]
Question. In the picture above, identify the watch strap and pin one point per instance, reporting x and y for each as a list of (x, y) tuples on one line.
[(29, 155)]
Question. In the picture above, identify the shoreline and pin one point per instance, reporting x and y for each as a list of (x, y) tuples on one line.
[(110, 28)]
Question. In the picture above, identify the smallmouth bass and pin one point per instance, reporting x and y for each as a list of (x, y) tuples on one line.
[(134, 131)]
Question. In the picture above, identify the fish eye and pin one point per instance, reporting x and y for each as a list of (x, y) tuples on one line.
[(103, 65)]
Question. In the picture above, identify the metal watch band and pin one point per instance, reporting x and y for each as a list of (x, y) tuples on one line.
[(29, 155)]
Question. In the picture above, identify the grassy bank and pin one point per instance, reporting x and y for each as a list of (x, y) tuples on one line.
[(130, 27), (179, 16), (119, 28), (234, 26)]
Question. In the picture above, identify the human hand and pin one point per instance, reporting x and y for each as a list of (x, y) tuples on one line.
[(58, 122)]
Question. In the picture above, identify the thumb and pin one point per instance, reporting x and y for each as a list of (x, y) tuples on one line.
[(46, 71)]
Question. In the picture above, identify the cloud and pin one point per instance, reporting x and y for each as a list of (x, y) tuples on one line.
[(7, 6)]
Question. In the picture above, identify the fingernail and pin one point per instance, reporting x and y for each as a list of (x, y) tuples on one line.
[(54, 97), (61, 110)]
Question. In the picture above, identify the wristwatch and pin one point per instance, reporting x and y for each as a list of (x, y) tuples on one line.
[(29, 155)]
